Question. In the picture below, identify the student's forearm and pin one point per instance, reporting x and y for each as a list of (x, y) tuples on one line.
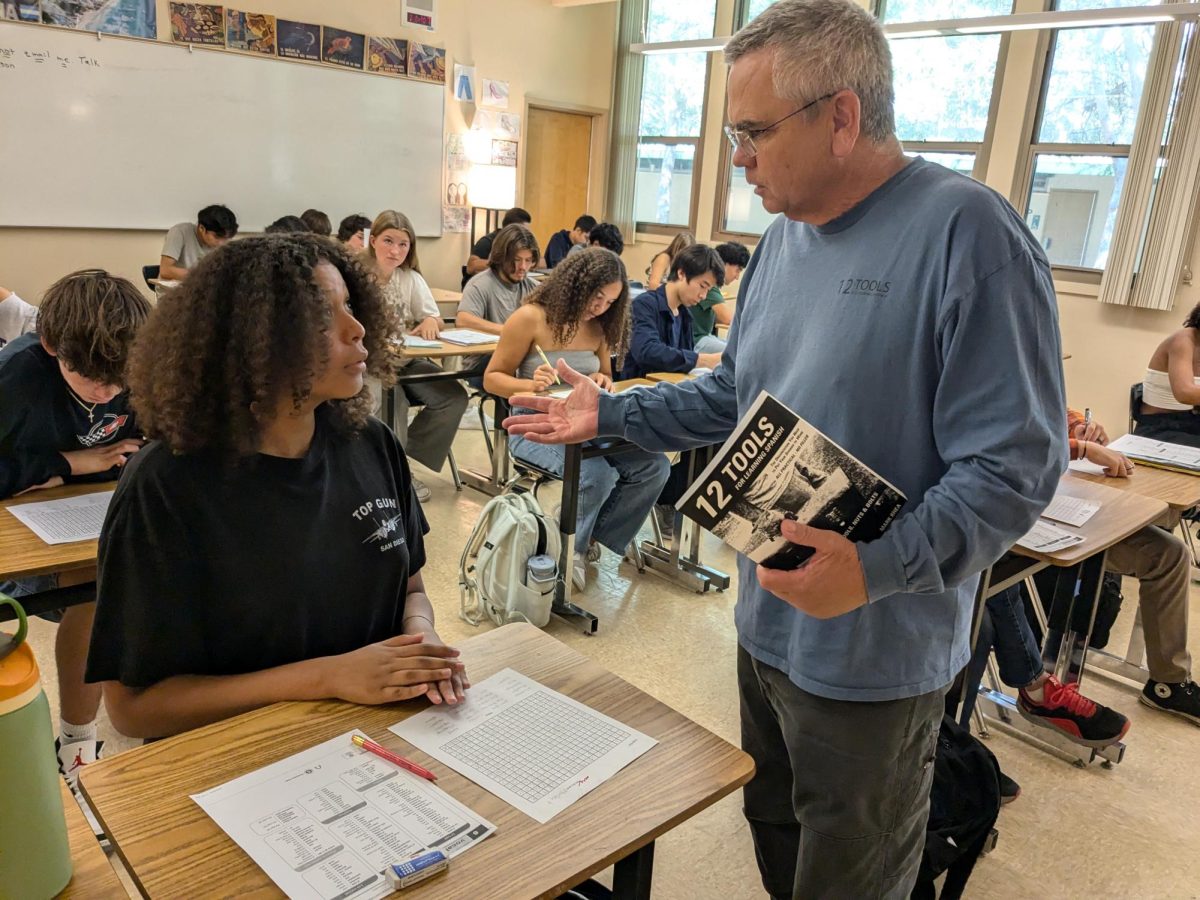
[(472, 321), (418, 614), (172, 272), (504, 385), (476, 264), (183, 702)]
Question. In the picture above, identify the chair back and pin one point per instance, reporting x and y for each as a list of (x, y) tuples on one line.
[(1135, 404), (149, 272)]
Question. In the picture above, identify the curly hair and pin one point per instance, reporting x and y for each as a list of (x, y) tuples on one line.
[(90, 319), (1193, 319), (572, 284), (246, 329)]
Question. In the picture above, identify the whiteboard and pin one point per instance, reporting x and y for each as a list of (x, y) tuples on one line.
[(153, 132)]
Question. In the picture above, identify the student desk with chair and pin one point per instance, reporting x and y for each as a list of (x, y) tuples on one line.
[(172, 848), (1121, 513)]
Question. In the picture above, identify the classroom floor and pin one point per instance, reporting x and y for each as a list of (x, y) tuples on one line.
[(1128, 832)]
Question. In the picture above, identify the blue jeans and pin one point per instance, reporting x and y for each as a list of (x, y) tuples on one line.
[(1017, 652), (615, 492)]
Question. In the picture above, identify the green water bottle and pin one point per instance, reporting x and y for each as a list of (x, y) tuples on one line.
[(35, 858)]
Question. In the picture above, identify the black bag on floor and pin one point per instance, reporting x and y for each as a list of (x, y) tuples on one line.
[(1108, 605), (963, 806)]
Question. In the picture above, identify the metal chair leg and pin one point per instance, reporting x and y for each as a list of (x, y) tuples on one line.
[(458, 485), (1187, 539)]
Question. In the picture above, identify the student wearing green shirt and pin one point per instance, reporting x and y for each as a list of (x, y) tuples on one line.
[(711, 311)]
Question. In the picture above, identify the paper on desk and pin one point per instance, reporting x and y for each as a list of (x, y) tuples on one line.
[(66, 520), (1085, 467), (529, 745), (420, 343), (1070, 510), (326, 822), (1162, 452), (465, 337), (1046, 538)]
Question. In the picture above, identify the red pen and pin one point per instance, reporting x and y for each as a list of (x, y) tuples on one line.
[(372, 747)]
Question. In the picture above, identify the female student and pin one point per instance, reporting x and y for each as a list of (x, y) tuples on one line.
[(580, 313), (660, 263), (392, 255), (267, 544), (1172, 387)]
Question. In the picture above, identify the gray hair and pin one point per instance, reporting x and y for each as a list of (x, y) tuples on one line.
[(823, 46)]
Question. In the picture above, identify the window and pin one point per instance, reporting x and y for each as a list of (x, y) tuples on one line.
[(1089, 106), (670, 126)]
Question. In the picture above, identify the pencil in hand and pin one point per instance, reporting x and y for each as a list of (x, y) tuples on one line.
[(542, 354)]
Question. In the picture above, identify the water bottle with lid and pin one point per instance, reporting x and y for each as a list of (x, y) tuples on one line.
[(35, 858)]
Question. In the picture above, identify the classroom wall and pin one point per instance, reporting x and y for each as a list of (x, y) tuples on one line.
[(557, 56)]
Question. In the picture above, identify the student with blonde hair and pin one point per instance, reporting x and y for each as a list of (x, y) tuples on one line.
[(391, 255), (660, 263)]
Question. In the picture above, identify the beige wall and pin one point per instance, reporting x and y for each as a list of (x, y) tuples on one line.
[(1109, 345), (553, 56)]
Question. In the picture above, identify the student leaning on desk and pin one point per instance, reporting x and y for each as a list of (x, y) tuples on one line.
[(267, 544)]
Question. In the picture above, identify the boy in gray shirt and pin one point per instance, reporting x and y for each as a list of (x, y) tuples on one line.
[(494, 294), (186, 244)]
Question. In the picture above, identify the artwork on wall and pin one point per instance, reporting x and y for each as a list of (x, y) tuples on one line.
[(20, 11), (342, 48), (299, 40), (427, 63), (504, 153), (387, 56), (136, 18), (493, 94), (252, 32), (197, 23)]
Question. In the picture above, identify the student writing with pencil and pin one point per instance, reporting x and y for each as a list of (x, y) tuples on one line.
[(580, 314)]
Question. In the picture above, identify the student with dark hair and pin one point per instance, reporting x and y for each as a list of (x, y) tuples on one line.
[(317, 590), (580, 314), (494, 294), (482, 251), (711, 311), (186, 243), (317, 222), (662, 321), (65, 416), (564, 241), (287, 225), (350, 231), (1171, 388), (608, 236)]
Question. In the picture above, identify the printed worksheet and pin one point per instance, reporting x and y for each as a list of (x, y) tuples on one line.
[(529, 745), (1070, 510), (325, 824), (1149, 450), (67, 520), (1046, 538)]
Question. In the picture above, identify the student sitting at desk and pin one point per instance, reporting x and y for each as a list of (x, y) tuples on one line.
[(392, 255), (563, 242), (481, 253), (580, 313), (713, 310), (317, 222), (662, 321), (267, 544), (16, 316), (1172, 388), (186, 244), (606, 235), (351, 230), (65, 417), (494, 295), (660, 263)]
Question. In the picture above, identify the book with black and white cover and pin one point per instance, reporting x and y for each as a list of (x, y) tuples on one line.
[(774, 466)]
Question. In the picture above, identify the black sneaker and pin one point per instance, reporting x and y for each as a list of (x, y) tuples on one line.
[(1009, 789), (1073, 715), (665, 514), (1181, 699)]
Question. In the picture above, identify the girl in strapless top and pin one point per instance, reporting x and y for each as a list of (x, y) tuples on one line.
[(1171, 388), (580, 314)]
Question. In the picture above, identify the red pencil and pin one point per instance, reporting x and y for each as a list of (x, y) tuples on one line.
[(391, 757)]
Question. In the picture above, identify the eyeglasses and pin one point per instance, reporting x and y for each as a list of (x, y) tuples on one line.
[(743, 139)]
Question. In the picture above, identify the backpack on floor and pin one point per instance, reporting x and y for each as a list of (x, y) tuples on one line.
[(963, 806), (494, 570)]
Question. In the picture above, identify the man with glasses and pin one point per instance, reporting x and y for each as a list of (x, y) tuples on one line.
[(907, 312)]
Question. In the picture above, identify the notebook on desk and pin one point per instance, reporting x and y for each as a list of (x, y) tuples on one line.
[(465, 337)]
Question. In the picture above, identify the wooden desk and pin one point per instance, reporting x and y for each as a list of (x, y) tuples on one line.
[(173, 849), (672, 377), (447, 350), (441, 295), (94, 875), (23, 553), (1178, 490)]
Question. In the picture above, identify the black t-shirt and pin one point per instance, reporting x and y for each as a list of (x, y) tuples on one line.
[(39, 418), (483, 249), (211, 568)]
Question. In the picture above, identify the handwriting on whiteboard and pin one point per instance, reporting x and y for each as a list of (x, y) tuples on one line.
[(9, 58)]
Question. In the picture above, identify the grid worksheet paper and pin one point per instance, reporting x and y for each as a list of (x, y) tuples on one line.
[(67, 520), (529, 745)]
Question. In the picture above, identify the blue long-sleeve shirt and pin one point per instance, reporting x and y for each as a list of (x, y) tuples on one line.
[(919, 331), (661, 340)]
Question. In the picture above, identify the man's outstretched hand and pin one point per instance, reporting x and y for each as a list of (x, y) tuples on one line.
[(558, 420)]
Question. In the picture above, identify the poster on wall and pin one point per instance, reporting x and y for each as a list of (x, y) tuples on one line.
[(464, 83), (456, 219), (299, 40), (387, 56), (498, 124), (419, 14), (20, 11), (252, 32), (427, 63), (135, 18), (504, 153), (197, 23), (342, 48), (493, 94)]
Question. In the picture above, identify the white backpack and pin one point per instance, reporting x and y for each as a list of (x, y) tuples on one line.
[(492, 572)]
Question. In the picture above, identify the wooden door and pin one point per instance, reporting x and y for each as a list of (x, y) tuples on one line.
[(557, 165)]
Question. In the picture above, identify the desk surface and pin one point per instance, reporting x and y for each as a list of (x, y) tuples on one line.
[(441, 295), (673, 377), (23, 553), (1121, 513), (174, 850), (94, 875), (1178, 490), (447, 350)]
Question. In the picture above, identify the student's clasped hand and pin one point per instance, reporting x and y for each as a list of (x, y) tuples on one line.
[(559, 420), (829, 584), (399, 668), (100, 459)]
